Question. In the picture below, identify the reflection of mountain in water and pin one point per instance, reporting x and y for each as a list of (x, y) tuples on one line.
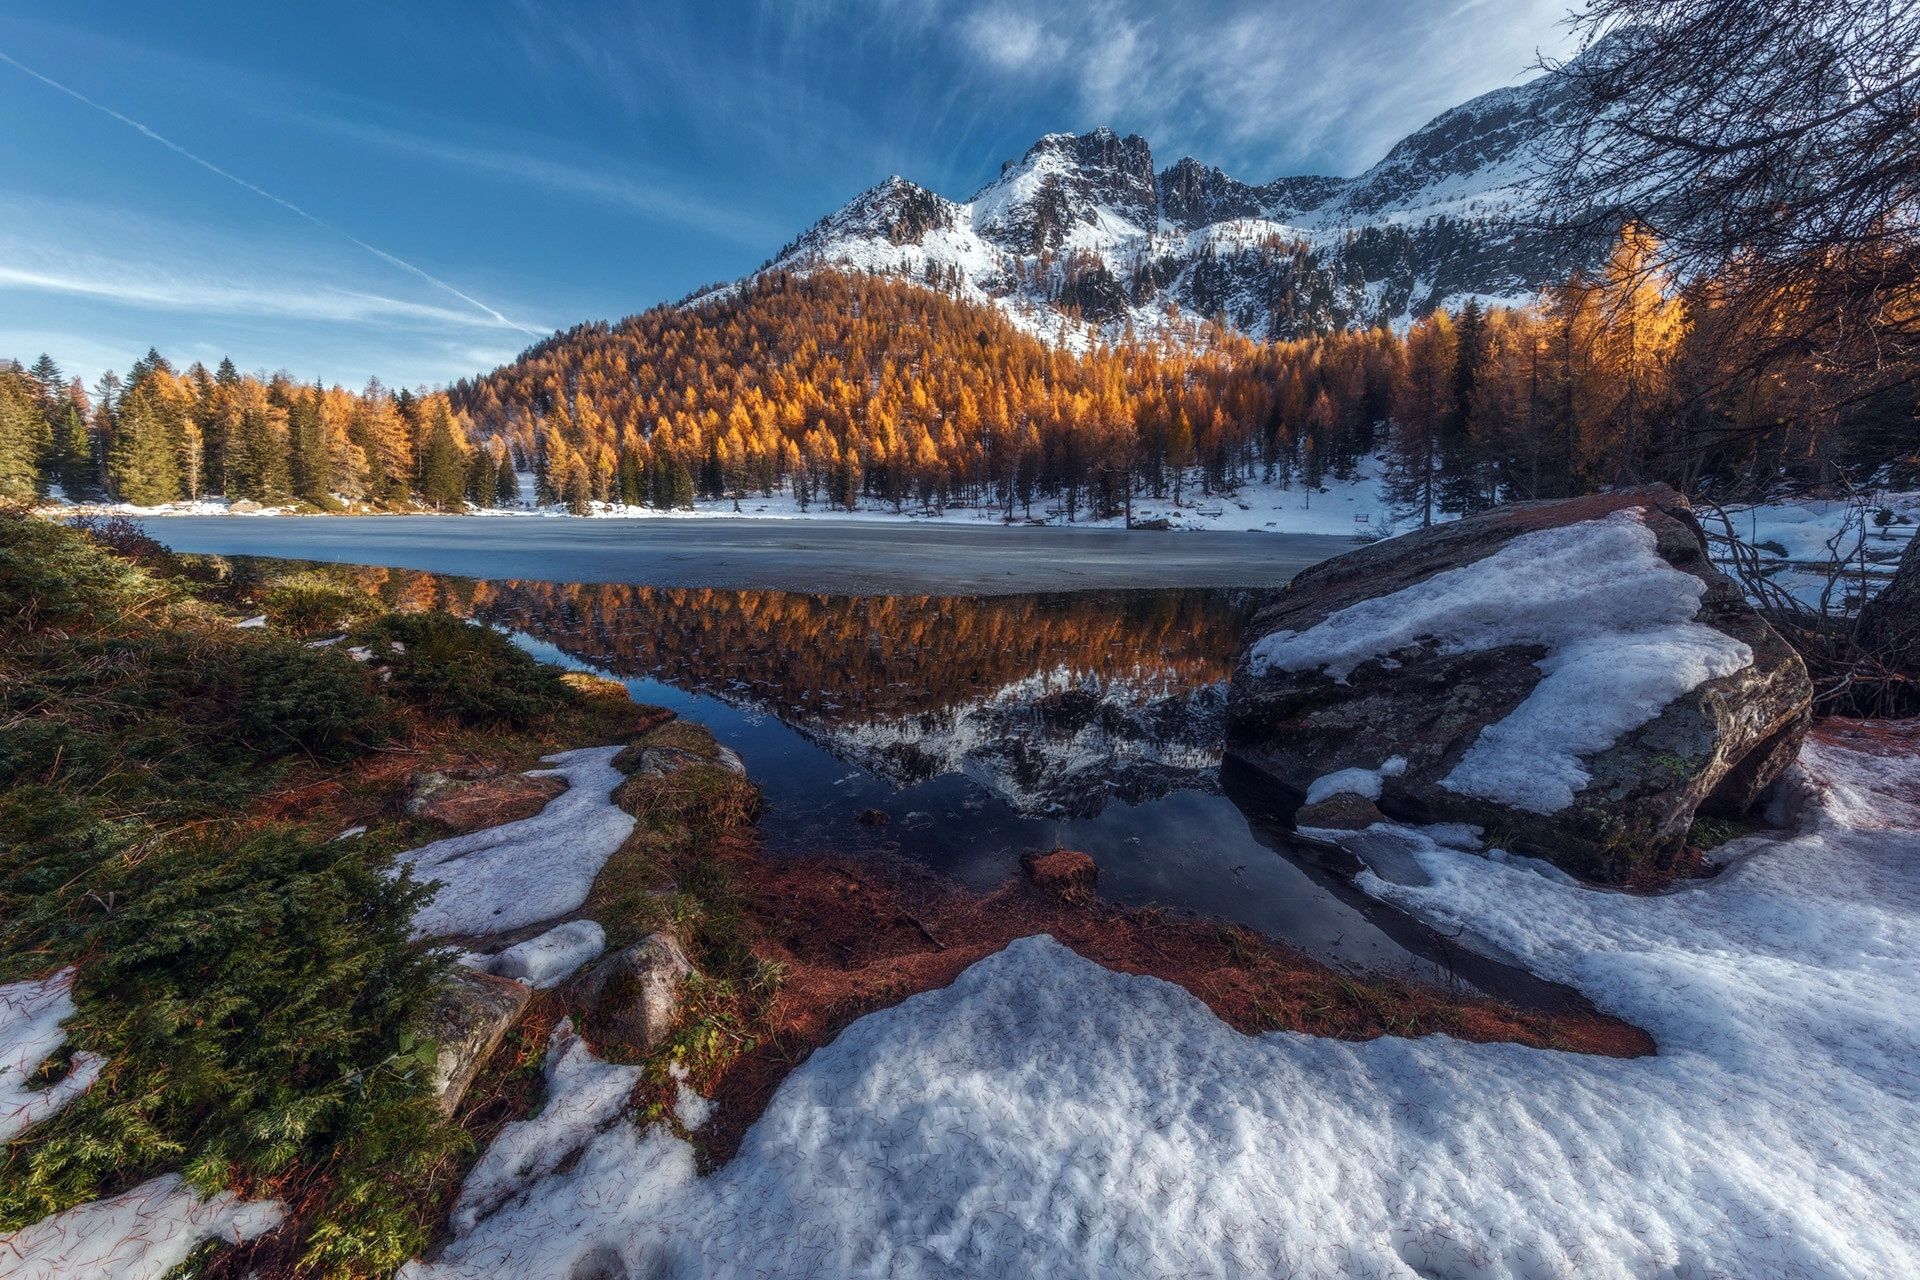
[(1054, 703), (1057, 743)]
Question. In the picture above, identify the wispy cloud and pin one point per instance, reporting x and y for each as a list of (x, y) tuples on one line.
[(136, 285), (149, 133), (133, 258), (1273, 81), (653, 195), (1009, 39)]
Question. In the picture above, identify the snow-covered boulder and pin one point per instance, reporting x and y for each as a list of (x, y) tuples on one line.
[(1575, 677)]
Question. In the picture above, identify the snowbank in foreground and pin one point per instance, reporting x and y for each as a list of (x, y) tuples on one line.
[(520, 873), (30, 1032), (141, 1234), (1044, 1116)]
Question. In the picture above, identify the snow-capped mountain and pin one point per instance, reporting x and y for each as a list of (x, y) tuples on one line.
[(1083, 237)]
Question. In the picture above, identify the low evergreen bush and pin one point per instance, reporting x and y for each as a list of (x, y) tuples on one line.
[(464, 670)]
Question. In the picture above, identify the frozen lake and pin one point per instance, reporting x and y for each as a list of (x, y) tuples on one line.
[(840, 557)]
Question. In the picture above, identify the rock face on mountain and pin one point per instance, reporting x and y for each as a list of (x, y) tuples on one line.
[(1573, 677), (1081, 238)]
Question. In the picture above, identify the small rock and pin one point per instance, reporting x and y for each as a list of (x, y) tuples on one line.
[(1343, 812), (661, 762), (633, 996), (873, 817), (243, 507), (1067, 873), (470, 1015)]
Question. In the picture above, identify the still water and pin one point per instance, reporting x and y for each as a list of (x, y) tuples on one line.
[(981, 727)]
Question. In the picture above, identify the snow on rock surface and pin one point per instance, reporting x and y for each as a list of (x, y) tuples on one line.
[(30, 1016), (1356, 782), (1616, 621), (521, 873), (141, 1234), (546, 960), (1045, 1116)]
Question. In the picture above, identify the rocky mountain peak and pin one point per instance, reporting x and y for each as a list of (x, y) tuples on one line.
[(1068, 180), (1081, 236)]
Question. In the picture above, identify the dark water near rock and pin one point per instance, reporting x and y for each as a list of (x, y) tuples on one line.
[(981, 727)]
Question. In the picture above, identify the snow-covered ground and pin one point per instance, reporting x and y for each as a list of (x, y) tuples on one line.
[(30, 1016), (143, 1233), (1823, 547), (1045, 1116), (539, 868), (1353, 506)]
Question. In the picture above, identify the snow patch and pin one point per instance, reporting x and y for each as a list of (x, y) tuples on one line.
[(586, 1099), (547, 960), (1615, 619), (141, 1234), (30, 1032), (521, 873), (1355, 782), (689, 1108)]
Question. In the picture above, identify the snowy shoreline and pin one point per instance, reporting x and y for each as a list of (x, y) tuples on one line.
[(1043, 1115)]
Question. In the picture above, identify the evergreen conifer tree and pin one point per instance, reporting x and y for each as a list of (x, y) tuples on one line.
[(443, 468), (20, 470), (142, 464), (73, 452)]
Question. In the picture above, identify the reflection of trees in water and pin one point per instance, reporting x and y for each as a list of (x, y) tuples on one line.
[(1055, 702)]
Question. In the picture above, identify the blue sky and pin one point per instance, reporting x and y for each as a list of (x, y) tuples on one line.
[(427, 182)]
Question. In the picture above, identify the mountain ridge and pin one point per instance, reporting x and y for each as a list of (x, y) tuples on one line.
[(1082, 239)]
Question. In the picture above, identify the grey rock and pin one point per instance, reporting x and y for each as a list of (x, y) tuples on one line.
[(470, 1015), (1712, 751), (633, 996)]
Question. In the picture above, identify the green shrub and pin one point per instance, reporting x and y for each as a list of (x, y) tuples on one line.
[(257, 1000), (55, 577), (308, 605), (465, 670)]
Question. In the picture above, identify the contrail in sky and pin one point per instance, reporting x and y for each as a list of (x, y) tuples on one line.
[(264, 194)]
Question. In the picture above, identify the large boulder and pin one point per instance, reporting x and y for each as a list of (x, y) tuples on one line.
[(1574, 677)]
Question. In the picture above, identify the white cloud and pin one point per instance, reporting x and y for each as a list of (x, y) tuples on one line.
[(1010, 40), (1263, 84), (141, 285), (653, 195)]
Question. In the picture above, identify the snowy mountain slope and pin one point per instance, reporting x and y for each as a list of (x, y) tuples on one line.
[(1081, 238)]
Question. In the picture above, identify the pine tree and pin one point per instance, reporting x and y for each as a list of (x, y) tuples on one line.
[(506, 482), (443, 468), (1462, 464), (679, 487), (143, 465), (20, 469), (257, 456), (310, 461), (73, 453), (481, 479), (50, 384)]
